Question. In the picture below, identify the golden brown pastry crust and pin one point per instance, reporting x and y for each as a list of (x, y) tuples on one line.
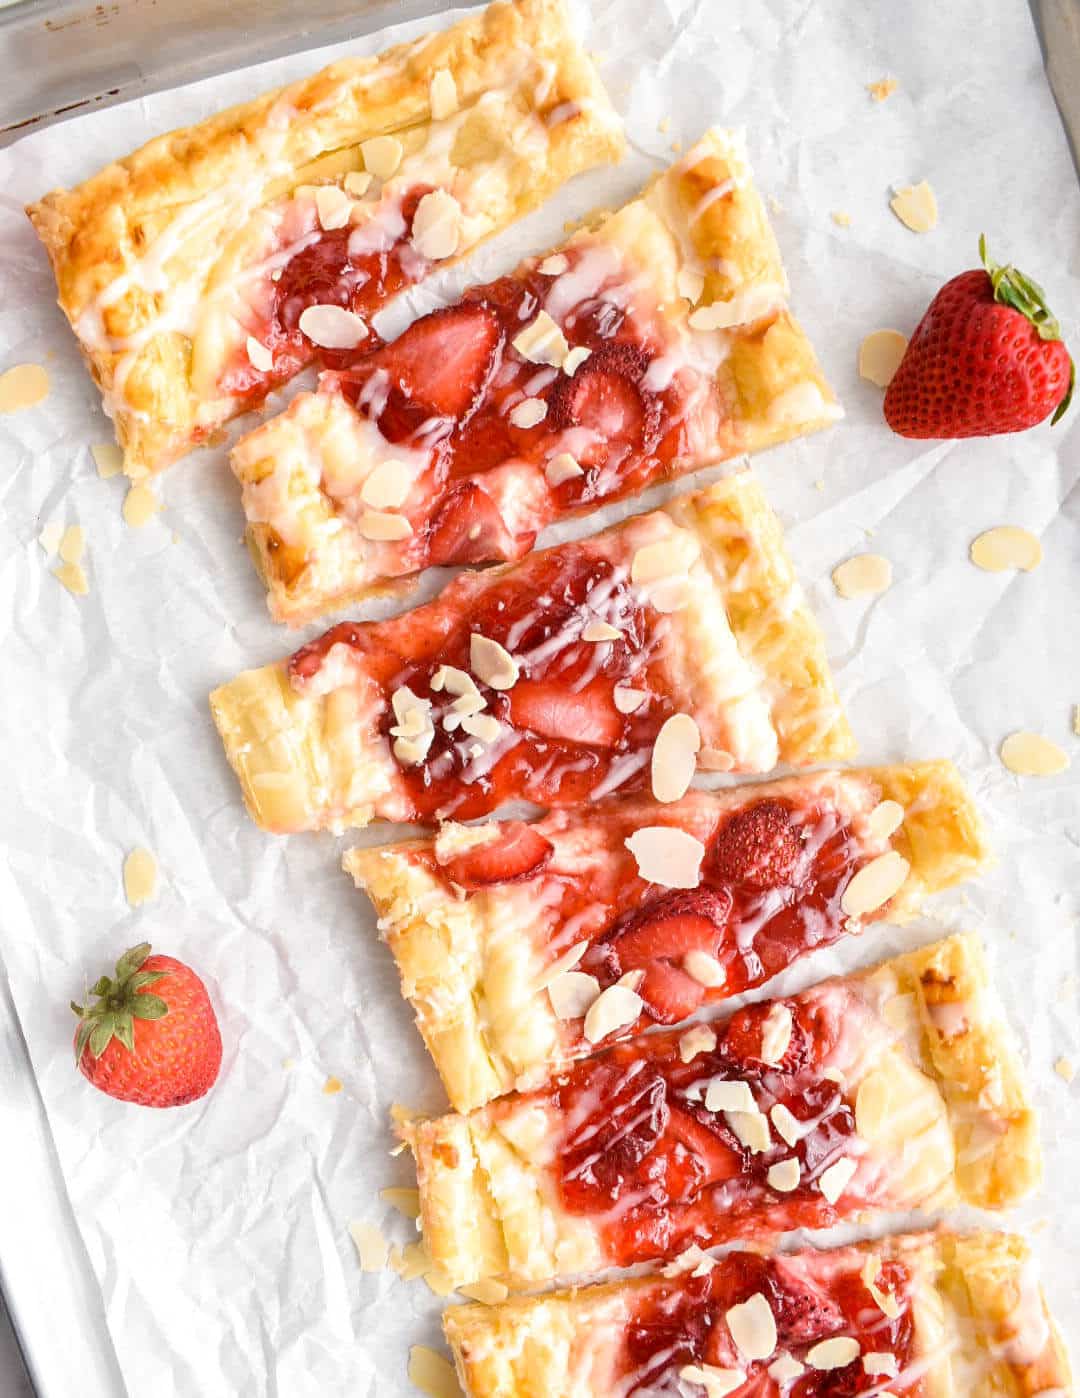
[(982, 1329), (312, 761), (942, 1106), (474, 988), (232, 163)]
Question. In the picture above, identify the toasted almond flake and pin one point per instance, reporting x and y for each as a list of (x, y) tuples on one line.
[(751, 1129), (874, 884), (432, 1374), (563, 467), (487, 1291), (50, 537), (835, 1353), (358, 182), (882, 89), (670, 557), (443, 94), (1007, 546), (542, 341), (628, 701), (23, 386), (632, 979), (486, 727), (403, 1198), (729, 1095), (564, 963), (885, 819), (334, 207), (785, 1367), (716, 1382), (865, 575), (382, 155), (555, 265), (381, 526), (1065, 1068), (784, 1176), (371, 1246), (140, 876), (614, 1009), (833, 1075), (776, 1033), (786, 1123), (575, 358), (915, 206), (752, 1326), (601, 631), (332, 1086), (412, 1261), (73, 578), (1031, 755), (674, 758), (438, 1281), (332, 327), (259, 357), (841, 218), (436, 229), (880, 1364), (386, 486), (140, 505), (697, 1039), (704, 969), (667, 856), (572, 994), (491, 663), (453, 680), (885, 1301), (528, 413), (690, 283), (72, 543), (833, 1181), (880, 355), (108, 458), (692, 1260)]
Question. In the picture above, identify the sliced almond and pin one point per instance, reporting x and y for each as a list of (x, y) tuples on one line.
[(915, 206), (865, 575), (880, 355), (674, 758), (73, 578), (690, 283), (614, 1009), (729, 1095), (885, 1301), (483, 726), (140, 877), (751, 1129), (383, 527), (691, 1260), (776, 1033), (436, 228), (885, 819), (108, 458), (555, 265), (258, 355), (874, 884), (716, 1382), (752, 1326), (833, 1181), (704, 969), (412, 713), (23, 386), (371, 1247), (404, 1198), (528, 413), (628, 701), (786, 1123), (140, 505), (50, 537), (882, 89), (667, 856), (432, 1374), (333, 205), (357, 183), (487, 1291), (784, 1176), (785, 1367), (1007, 546), (72, 543), (601, 631), (1065, 1068), (835, 1353), (842, 219), (573, 994), (382, 155), (574, 359), (563, 467), (566, 962), (491, 663), (386, 486), (332, 327), (542, 341), (881, 1364), (443, 94), (670, 557), (697, 1039), (1031, 755)]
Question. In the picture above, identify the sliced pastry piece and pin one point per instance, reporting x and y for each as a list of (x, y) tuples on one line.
[(925, 1315), (651, 345), (677, 640), (894, 1089), (506, 934), (210, 266)]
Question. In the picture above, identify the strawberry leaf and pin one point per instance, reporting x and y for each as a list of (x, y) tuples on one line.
[(101, 1035), (86, 1028), (124, 1031), (131, 960), (141, 978), (148, 1007), (1063, 407)]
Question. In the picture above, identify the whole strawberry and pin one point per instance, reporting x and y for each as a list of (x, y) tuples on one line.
[(152, 1037), (987, 357)]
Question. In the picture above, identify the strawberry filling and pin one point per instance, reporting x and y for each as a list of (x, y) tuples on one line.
[(517, 853), (681, 1321)]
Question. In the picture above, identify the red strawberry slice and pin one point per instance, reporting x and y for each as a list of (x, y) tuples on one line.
[(670, 995), (742, 1042), (551, 710), (440, 366), (605, 394), (721, 1161), (520, 852), (690, 920), (803, 1314), (468, 528), (758, 847)]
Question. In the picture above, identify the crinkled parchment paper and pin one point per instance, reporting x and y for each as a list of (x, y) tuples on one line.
[(218, 1232)]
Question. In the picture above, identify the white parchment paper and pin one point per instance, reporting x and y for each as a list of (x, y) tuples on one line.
[(218, 1232)]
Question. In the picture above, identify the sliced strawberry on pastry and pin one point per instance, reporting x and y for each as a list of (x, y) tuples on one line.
[(758, 847), (549, 709), (519, 852), (606, 396), (468, 528)]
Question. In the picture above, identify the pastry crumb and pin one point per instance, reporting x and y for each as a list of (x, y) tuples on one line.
[(1031, 755), (915, 206), (23, 386), (841, 218), (819, 486), (676, 146), (1007, 546), (140, 506), (432, 1373), (664, 125), (405, 1200), (140, 876), (865, 575), (883, 89), (371, 1246), (50, 537), (1065, 1068), (880, 354), (72, 543), (108, 458), (73, 578), (332, 1086)]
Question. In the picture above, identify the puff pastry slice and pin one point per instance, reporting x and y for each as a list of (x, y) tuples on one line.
[(926, 1315), (648, 346), (211, 265), (506, 934), (894, 1089), (676, 640)]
